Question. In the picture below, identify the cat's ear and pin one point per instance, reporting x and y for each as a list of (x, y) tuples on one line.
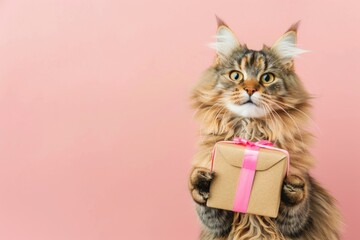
[(226, 41), (285, 47)]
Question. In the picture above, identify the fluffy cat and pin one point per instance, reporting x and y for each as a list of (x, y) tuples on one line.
[(257, 95)]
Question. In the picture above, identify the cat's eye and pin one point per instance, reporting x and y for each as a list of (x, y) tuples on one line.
[(267, 78), (236, 76)]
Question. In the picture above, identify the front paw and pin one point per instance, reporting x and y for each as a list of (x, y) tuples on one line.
[(294, 190), (200, 179)]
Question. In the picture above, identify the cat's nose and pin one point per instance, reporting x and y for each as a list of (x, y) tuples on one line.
[(250, 90)]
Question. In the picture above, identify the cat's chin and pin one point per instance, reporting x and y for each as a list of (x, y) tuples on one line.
[(248, 110)]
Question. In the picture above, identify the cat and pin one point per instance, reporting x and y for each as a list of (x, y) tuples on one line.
[(257, 95)]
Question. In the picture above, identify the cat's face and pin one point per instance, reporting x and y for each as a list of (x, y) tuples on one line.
[(253, 83)]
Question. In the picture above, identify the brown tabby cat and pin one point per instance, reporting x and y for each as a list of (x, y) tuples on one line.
[(257, 95)]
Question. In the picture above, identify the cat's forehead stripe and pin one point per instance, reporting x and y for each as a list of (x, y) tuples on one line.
[(243, 63), (253, 59)]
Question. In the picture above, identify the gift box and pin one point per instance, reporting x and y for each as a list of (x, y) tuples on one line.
[(248, 177)]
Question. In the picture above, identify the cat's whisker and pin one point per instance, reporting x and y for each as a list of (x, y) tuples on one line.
[(297, 126), (236, 99), (285, 104), (272, 111), (269, 116), (269, 112), (292, 107)]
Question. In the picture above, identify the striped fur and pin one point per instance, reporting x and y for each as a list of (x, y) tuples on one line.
[(307, 211)]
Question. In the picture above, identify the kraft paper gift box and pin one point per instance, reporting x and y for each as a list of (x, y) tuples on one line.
[(248, 177)]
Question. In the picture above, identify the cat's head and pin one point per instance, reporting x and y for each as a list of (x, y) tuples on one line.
[(251, 83)]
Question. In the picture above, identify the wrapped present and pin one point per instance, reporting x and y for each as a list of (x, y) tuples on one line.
[(248, 177)]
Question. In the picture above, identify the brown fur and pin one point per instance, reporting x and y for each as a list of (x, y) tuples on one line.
[(284, 125)]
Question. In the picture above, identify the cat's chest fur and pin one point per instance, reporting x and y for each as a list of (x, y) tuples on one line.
[(252, 130)]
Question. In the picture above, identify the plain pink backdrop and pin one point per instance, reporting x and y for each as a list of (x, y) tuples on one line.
[(96, 133)]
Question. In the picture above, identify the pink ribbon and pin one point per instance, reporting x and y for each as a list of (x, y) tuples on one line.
[(247, 174)]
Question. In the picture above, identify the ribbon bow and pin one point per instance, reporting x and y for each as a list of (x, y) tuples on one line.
[(245, 142)]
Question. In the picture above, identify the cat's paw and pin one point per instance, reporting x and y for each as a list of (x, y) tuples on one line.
[(293, 191), (199, 184)]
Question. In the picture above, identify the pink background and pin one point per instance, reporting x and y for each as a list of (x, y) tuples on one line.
[(96, 133)]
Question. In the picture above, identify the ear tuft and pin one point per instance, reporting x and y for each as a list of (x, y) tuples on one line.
[(286, 47), (226, 41)]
